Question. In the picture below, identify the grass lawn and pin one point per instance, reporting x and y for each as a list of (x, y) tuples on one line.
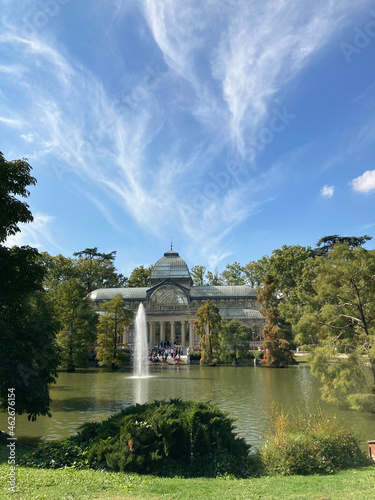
[(69, 484)]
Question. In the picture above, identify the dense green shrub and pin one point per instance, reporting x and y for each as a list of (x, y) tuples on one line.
[(229, 356), (57, 454), (195, 357), (309, 446), (165, 438)]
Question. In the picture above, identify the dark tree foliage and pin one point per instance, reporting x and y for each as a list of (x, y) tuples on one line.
[(14, 178), (326, 243), (77, 324), (28, 354), (236, 336), (114, 318), (277, 333), (91, 253), (58, 270)]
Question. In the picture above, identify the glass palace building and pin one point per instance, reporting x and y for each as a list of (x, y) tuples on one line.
[(172, 301)]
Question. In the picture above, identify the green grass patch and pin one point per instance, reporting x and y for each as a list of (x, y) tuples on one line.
[(303, 358), (69, 484)]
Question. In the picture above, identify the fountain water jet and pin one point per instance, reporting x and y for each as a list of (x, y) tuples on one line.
[(140, 368)]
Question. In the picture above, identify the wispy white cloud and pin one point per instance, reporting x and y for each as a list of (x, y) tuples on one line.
[(257, 48), (37, 234), (215, 258), (91, 138), (13, 122), (15, 70), (365, 183), (327, 191), (267, 45), (35, 47)]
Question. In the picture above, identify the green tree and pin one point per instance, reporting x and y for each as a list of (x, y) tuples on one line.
[(277, 333), (235, 335), (116, 316), (214, 279), (58, 270), (77, 324), (234, 274), (15, 176), (198, 274), (256, 270), (97, 270), (340, 313), (92, 253), (28, 354), (92, 269), (325, 244), (207, 326), (140, 277), (288, 264)]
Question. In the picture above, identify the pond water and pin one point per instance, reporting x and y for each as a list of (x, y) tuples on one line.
[(246, 393)]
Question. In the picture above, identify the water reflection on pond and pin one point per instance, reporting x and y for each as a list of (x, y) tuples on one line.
[(246, 393)]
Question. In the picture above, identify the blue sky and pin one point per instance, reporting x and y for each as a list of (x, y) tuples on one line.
[(234, 126)]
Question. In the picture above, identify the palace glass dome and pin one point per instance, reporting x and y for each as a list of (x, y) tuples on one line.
[(170, 266)]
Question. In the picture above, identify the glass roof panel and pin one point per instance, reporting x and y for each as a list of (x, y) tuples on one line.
[(223, 291), (170, 267)]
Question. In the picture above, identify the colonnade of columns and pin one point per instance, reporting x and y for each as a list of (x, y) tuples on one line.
[(157, 332), (187, 338)]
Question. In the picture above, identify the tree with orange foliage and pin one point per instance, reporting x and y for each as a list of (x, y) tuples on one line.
[(207, 326), (277, 333)]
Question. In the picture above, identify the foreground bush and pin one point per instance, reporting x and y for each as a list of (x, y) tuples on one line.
[(165, 438), (309, 446)]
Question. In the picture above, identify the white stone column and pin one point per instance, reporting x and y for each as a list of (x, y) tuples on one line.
[(173, 332), (183, 333), (149, 333), (151, 323), (162, 331), (191, 333)]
